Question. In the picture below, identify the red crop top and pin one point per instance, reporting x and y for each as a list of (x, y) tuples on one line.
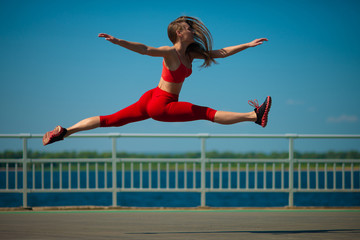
[(177, 76)]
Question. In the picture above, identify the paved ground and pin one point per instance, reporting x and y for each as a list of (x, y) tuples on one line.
[(181, 224)]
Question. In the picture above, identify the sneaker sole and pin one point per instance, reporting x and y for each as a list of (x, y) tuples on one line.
[(55, 133), (264, 119)]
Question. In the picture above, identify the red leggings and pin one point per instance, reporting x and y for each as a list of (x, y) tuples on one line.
[(161, 106)]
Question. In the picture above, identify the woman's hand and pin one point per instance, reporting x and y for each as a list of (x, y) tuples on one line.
[(257, 42), (108, 37)]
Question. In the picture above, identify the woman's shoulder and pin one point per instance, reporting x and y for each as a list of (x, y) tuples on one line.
[(163, 51), (167, 48), (171, 52)]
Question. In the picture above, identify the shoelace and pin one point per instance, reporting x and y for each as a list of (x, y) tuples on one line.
[(254, 103)]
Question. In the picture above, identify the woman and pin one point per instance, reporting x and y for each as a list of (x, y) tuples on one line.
[(191, 40)]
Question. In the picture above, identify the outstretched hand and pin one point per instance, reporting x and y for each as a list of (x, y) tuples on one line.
[(107, 37), (257, 42)]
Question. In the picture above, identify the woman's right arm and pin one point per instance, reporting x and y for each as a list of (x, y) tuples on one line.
[(228, 51), (138, 47)]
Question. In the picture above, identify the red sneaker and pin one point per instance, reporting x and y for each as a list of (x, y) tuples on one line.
[(55, 135), (262, 111)]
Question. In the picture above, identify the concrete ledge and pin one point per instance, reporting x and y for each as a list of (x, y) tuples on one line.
[(104, 208)]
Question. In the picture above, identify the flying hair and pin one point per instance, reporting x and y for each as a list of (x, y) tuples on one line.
[(202, 36)]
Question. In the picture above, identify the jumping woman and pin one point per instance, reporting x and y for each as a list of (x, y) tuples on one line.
[(191, 40)]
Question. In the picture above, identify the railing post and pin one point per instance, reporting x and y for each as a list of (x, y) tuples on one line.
[(291, 171), (203, 172), (24, 189), (114, 173)]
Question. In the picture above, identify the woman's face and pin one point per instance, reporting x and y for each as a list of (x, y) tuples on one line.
[(186, 33)]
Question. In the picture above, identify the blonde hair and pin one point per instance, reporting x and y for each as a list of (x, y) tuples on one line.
[(202, 37)]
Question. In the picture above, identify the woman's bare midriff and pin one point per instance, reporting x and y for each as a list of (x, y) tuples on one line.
[(170, 87)]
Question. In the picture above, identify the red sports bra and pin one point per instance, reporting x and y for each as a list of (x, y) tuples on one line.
[(177, 76)]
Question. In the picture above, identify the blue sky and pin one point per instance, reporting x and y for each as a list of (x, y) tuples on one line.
[(54, 70)]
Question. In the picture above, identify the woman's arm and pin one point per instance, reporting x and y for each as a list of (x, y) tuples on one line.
[(228, 51), (138, 47)]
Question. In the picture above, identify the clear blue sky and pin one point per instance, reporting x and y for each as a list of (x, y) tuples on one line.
[(54, 70)]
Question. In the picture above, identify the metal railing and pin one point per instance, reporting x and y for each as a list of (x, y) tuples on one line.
[(201, 174)]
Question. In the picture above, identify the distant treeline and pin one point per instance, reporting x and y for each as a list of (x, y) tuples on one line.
[(212, 154)]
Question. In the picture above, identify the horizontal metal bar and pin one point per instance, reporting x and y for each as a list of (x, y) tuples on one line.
[(323, 135), (174, 190), (12, 190), (326, 190), (199, 135), (326, 160), (99, 160), (40, 190), (11, 160), (111, 189), (179, 160), (245, 160), (70, 160), (174, 160), (165, 160), (233, 190)]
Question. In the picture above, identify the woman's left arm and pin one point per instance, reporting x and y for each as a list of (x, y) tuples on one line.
[(228, 51)]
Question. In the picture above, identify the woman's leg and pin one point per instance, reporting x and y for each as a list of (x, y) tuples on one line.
[(86, 124), (59, 133), (165, 107), (223, 117), (259, 115), (133, 113)]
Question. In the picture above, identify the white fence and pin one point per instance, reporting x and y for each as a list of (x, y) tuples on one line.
[(201, 175)]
